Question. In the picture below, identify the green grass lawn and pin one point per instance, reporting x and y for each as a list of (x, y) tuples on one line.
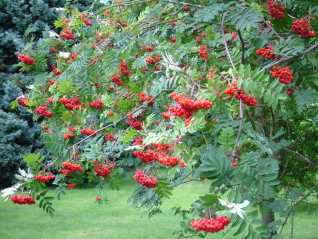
[(78, 217)]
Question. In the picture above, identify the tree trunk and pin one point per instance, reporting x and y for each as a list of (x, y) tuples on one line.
[(268, 218)]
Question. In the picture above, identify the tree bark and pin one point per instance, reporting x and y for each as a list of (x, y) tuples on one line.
[(268, 217)]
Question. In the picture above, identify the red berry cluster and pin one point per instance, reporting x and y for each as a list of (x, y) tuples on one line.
[(98, 198), (23, 101), (276, 10), (71, 186), (211, 225), (158, 152), (101, 169), (67, 34), (88, 22), (138, 141), (152, 60), (239, 94), (109, 137), (148, 48), (167, 160), (147, 156), (70, 134), (26, 59), (133, 122), (117, 80), (69, 167), (22, 199), (42, 178), (43, 110), (88, 131), (203, 52), (266, 52), (143, 97), (198, 38), (186, 107), (145, 180), (72, 103), (163, 147), (284, 74), (173, 39), (97, 104), (56, 71), (302, 28), (123, 68)]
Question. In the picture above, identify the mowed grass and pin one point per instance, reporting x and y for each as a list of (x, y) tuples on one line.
[(78, 216)]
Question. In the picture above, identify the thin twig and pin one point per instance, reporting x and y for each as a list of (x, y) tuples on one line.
[(225, 42), (242, 47), (313, 47), (302, 157), (237, 141), (184, 3), (290, 211)]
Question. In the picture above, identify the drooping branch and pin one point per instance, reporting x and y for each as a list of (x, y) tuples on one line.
[(282, 60)]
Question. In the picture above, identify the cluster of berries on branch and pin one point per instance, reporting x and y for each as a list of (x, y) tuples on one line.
[(26, 59), (275, 9), (302, 28), (97, 104), (239, 94), (67, 34), (203, 52), (23, 101), (69, 168), (210, 225), (73, 103), (43, 110), (44, 178), (102, 169), (145, 180), (284, 74), (70, 134), (186, 107), (88, 132), (266, 52), (22, 199)]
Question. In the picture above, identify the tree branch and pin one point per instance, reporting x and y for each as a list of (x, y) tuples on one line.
[(302, 157), (313, 47), (225, 42), (242, 47)]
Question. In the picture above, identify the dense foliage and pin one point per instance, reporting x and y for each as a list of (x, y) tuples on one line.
[(224, 91), (20, 21)]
